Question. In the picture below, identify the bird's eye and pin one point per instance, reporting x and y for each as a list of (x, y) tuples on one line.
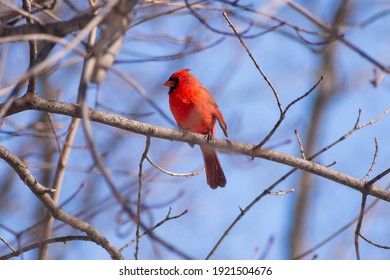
[(175, 80)]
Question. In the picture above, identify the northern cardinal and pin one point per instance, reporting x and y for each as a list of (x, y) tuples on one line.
[(195, 110)]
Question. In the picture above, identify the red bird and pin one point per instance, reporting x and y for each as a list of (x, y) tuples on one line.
[(195, 110)]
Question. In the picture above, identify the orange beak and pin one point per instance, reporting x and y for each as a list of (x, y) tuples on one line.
[(169, 83)]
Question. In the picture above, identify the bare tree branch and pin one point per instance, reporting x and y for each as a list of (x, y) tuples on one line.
[(42, 194), (39, 244), (37, 103)]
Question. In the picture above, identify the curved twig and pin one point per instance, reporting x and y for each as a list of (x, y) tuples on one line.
[(174, 174)]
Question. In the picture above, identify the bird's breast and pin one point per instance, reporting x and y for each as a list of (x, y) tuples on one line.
[(191, 114)]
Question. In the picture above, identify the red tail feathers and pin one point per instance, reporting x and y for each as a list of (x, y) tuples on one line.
[(214, 173)]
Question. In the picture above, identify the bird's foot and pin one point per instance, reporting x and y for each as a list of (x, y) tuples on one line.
[(209, 136)]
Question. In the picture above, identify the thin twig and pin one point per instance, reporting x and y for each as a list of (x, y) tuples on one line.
[(300, 144), (378, 78), (180, 55), (141, 91), (62, 239), (281, 192), (8, 245), (46, 9), (165, 13), (355, 128), (368, 185), (331, 164), (204, 22), (375, 244), (72, 196), (174, 174), (166, 219), (137, 234), (57, 139), (373, 160), (283, 114), (267, 248), (183, 5), (359, 225), (43, 37), (32, 83), (255, 62)]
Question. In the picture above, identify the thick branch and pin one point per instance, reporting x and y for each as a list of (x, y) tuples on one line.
[(37, 103)]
